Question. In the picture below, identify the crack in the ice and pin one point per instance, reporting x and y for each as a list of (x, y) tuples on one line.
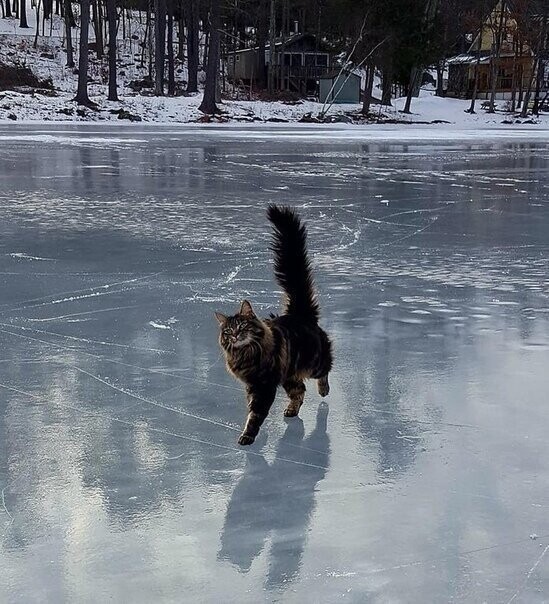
[(462, 553), (166, 432), (5, 507), (87, 340), (150, 401), (79, 314), (77, 291), (393, 241), (528, 575), (117, 362)]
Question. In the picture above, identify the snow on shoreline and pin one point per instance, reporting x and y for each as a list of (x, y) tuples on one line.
[(449, 113), (48, 61)]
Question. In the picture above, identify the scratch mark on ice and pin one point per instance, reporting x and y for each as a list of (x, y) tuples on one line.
[(4, 506), (79, 314), (86, 340), (529, 574), (166, 432)]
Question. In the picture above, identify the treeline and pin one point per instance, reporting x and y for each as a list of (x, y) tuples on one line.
[(393, 39)]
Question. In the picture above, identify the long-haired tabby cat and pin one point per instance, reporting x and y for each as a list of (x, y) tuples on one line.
[(282, 350)]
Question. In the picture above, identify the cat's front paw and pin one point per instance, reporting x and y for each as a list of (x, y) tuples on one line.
[(291, 411), (245, 439)]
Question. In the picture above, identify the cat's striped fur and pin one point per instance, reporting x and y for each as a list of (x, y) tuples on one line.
[(282, 350)]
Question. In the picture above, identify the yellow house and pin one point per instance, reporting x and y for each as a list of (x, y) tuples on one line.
[(513, 68)]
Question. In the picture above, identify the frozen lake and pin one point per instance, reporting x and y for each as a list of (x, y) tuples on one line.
[(426, 479)]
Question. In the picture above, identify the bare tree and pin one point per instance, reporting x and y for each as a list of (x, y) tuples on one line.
[(272, 45), (23, 15), (82, 97), (417, 70), (541, 50), (171, 66), (111, 18), (208, 104), (68, 18), (159, 45), (498, 23), (193, 25), (368, 88), (479, 17)]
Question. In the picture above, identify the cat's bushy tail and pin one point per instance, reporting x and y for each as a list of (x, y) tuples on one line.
[(291, 263)]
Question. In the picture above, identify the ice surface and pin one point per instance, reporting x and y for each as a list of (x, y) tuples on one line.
[(120, 476)]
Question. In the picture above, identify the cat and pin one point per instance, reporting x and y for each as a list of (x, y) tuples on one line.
[(282, 350)]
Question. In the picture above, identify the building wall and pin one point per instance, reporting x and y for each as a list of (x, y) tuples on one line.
[(242, 65), (461, 77), (344, 92)]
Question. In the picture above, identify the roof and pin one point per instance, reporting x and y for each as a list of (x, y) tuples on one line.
[(467, 59), (472, 57), (280, 42), (332, 75)]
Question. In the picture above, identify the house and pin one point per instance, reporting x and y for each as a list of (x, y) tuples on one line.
[(340, 87), (298, 62), (514, 68)]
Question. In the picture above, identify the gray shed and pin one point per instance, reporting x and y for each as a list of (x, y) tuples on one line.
[(339, 87)]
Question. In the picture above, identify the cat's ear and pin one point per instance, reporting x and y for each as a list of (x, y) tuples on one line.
[(246, 309), (221, 318)]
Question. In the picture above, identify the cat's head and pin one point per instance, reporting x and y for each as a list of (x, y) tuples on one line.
[(240, 330)]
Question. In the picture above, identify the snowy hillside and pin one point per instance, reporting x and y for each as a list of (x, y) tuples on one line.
[(45, 56)]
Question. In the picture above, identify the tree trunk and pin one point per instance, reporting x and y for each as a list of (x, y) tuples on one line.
[(387, 83), (262, 33), (495, 58), (208, 104), (193, 25), (412, 87), (97, 26), (477, 64), (111, 18), (23, 15), (171, 67), (527, 96), (68, 17), (272, 51), (82, 97), (541, 48), (8, 8), (159, 45), (147, 33), (440, 78), (368, 89), (35, 45), (181, 32), (514, 82)]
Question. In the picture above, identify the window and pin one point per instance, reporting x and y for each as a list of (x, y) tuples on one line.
[(297, 60), (322, 60)]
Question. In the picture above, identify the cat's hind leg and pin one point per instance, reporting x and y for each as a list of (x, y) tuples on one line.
[(295, 389), (323, 386)]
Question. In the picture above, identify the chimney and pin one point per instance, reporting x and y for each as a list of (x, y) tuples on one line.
[(296, 28)]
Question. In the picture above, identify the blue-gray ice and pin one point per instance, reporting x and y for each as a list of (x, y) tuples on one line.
[(425, 479)]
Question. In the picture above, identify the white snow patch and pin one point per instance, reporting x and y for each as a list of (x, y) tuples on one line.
[(163, 325), (22, 256)]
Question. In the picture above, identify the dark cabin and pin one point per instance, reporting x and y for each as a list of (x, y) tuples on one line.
[(299, 61)]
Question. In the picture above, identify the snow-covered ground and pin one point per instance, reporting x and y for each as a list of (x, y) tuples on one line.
[(48, 60)]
